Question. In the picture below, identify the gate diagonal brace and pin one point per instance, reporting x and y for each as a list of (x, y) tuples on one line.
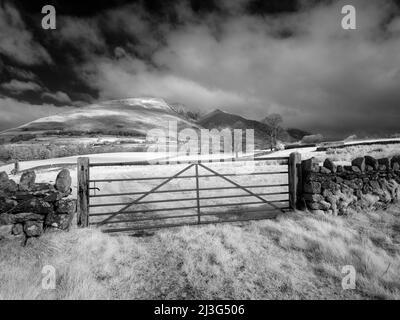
[(241, 187), (146, 194)]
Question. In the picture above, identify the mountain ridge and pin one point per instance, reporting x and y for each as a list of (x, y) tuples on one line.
[(220, 119), (135, 117)]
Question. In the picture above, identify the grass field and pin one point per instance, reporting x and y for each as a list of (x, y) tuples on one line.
[(297, 256)]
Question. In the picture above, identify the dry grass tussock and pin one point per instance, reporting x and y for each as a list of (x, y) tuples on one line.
[(298, 256)]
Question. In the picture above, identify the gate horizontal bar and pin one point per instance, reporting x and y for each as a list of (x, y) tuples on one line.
[(189, 177), (189, 216), (147, 219), (271, 216), (185, 199), (184, 208), (172, 161), (186, 190)]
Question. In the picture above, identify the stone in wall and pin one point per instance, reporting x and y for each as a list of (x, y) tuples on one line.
[(310, 165), (372, 162), (27, 180), (63, 181), (6, 231), (33, 228), (7, 185), (328, 163)]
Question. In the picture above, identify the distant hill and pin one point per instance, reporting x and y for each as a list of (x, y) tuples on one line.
[(220, 119), (126, 117)]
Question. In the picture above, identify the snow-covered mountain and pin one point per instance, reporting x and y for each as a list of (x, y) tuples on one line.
[(126, 117)]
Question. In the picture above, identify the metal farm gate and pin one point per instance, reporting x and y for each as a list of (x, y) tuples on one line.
[(191, 193)]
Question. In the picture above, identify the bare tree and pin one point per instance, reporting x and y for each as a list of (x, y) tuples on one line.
[(273, 121)]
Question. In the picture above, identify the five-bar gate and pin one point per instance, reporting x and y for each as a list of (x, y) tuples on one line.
[(121, 197)]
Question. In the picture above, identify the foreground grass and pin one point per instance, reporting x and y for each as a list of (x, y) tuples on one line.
[(298, 256)]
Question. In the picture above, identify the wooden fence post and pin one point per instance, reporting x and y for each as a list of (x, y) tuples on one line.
[(16, 166), (83, 192), (294, 178)]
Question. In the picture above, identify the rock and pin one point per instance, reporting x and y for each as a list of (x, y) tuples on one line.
[(318, 212), (5, 231), (339, 180), (313, 197), (54, 196), (3, 180), (42, 190), (333, 201), (382, 167), (328, 163), (312, 187), (320, 205), (65, 206), (44, 187), (385, 162), (375, 186), (27, 180), (354, 183), (327, 193), (310, 165), (369, 168), (330, 185), (324, 205), (35, 205), (396, 166), (371, 161), (348, 168), (356, 169), (7, 204), (313, 205), (23, 195), (359, 163), (7, 185), (324, 170), (27, 216), (17, 229), (395, 159), (33, 228), (6, 218), (60, 221), (63, 181), (11, 187)]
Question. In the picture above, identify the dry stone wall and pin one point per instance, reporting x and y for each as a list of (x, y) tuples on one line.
[(28, 209), (367, 183)]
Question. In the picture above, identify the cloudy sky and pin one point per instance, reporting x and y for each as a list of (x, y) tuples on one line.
[(250, 57)]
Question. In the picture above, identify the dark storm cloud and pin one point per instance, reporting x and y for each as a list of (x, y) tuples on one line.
[(16, 42), (246, 57)]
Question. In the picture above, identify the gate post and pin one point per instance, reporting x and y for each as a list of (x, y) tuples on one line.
[(83, 192), (294, 178)]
